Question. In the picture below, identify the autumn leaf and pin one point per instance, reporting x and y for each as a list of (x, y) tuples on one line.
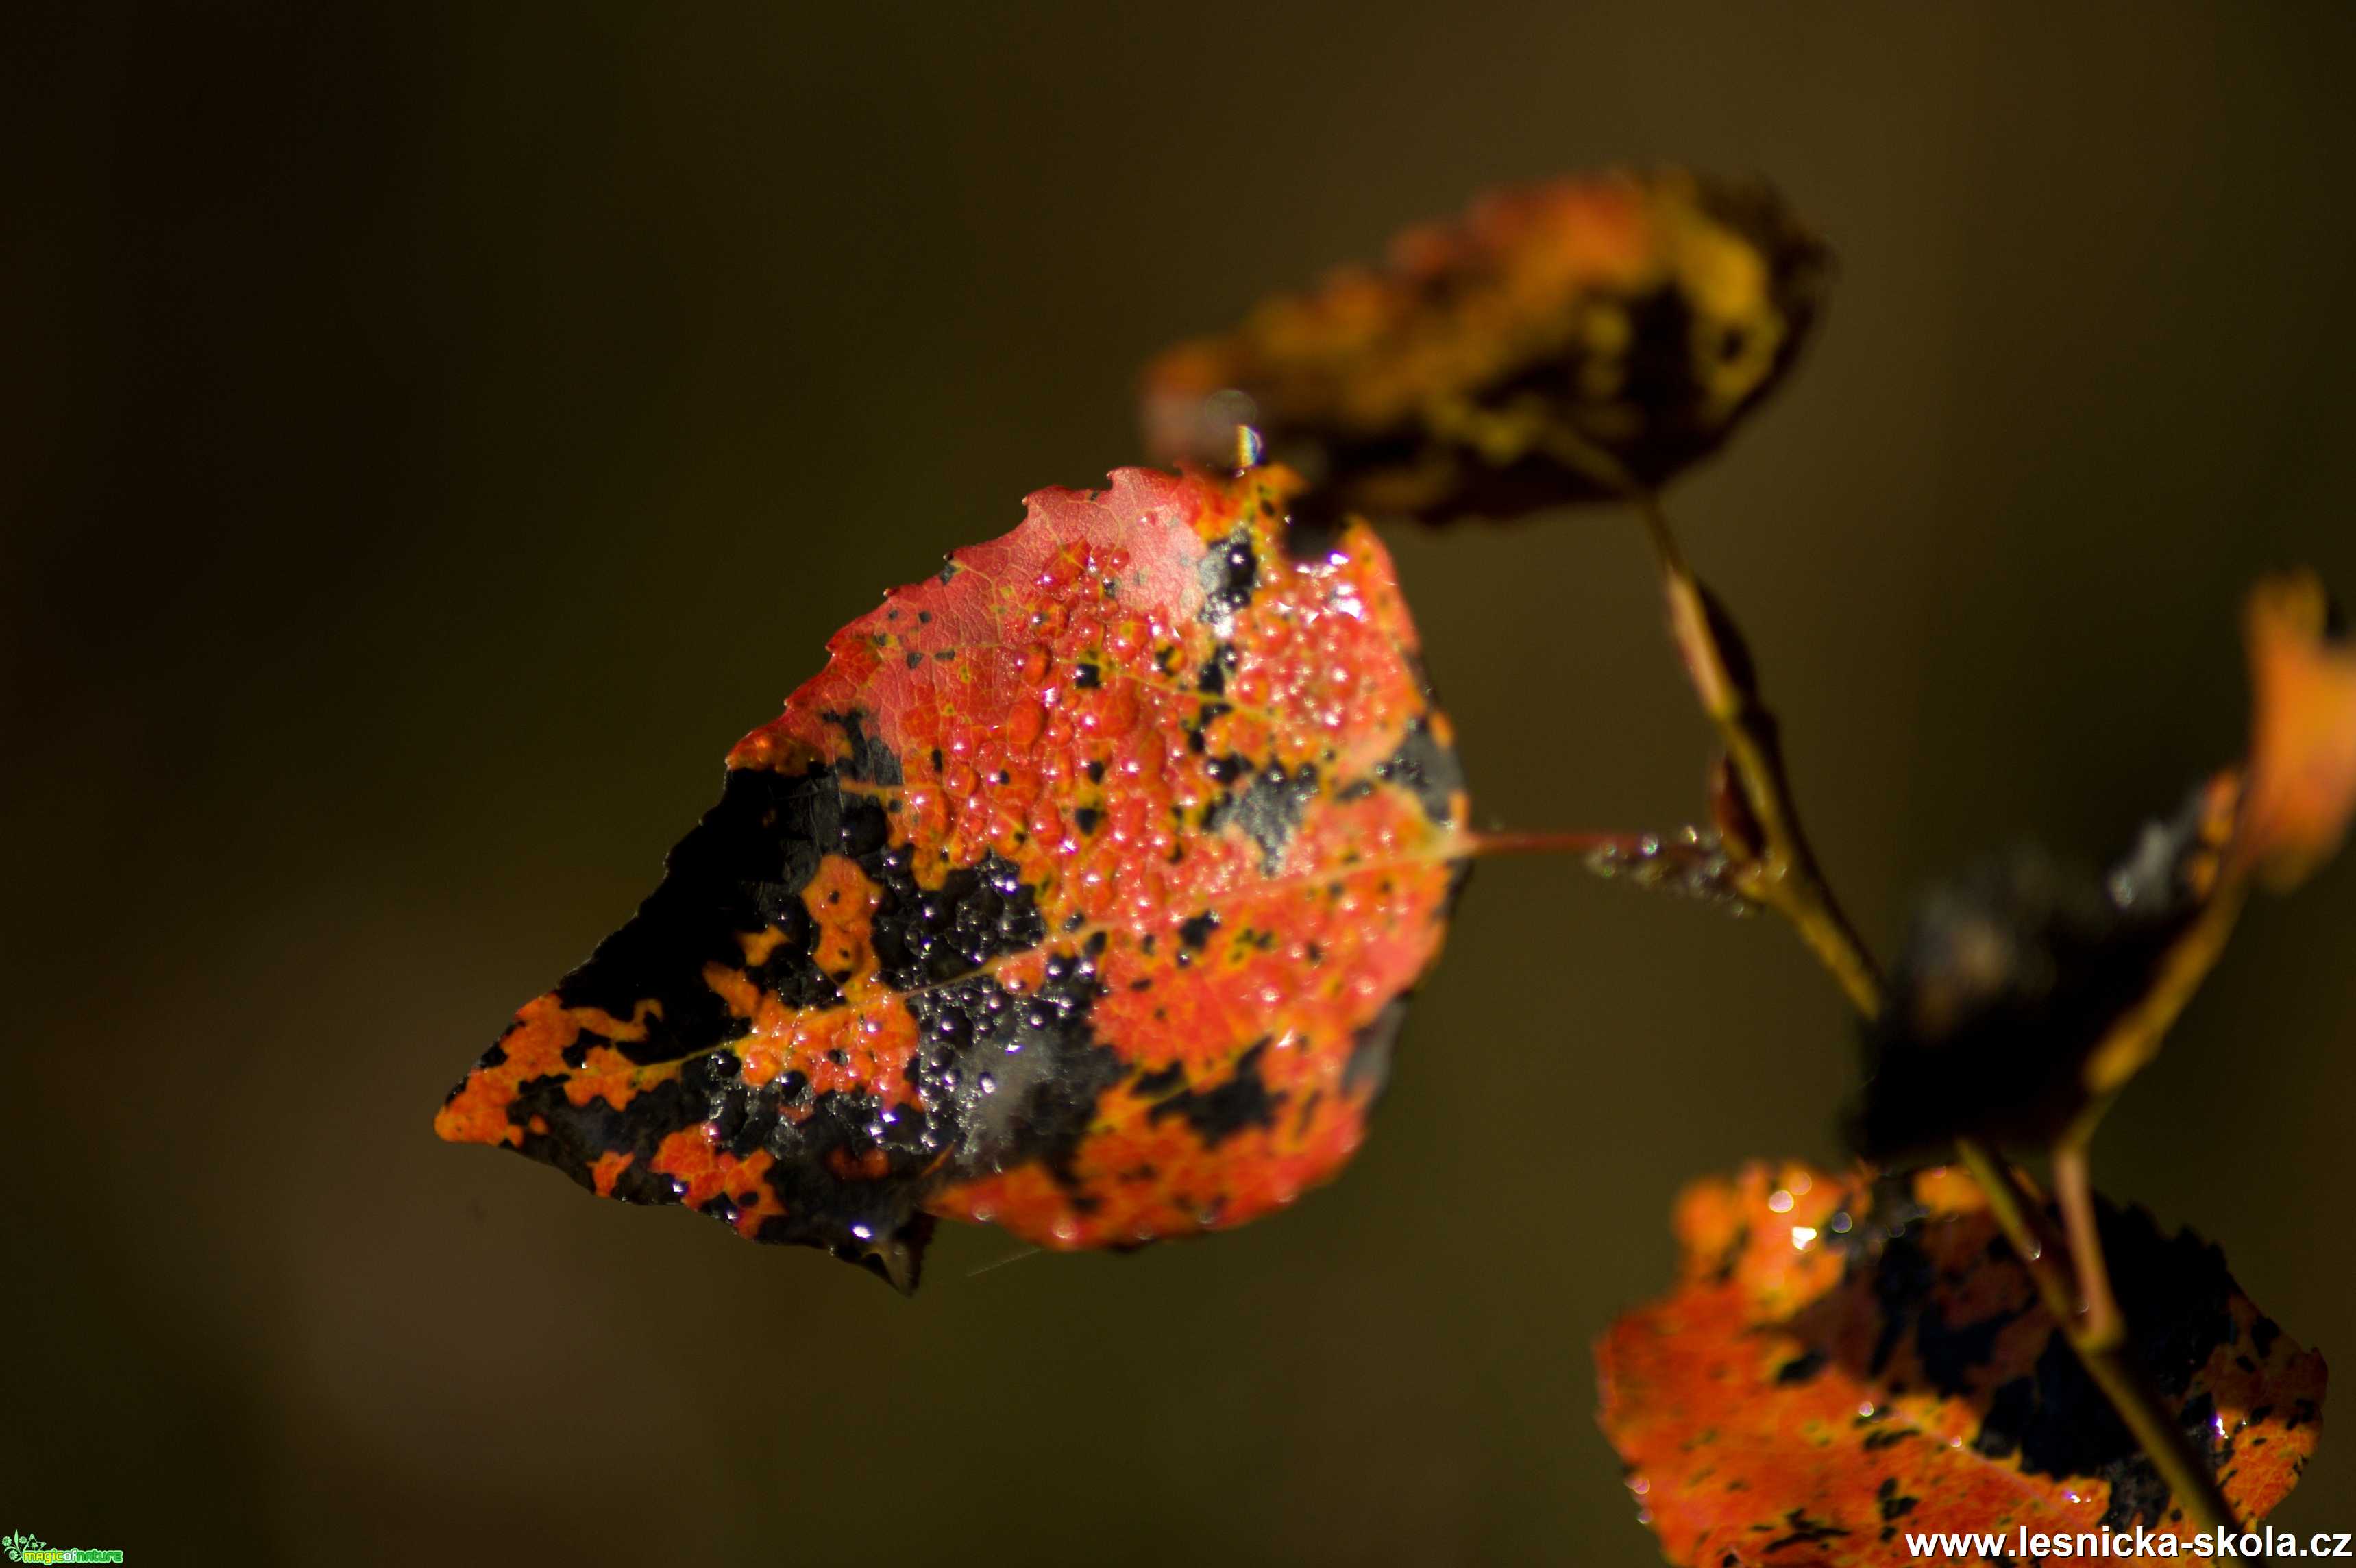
[(1079, 892), (1843, 1361), (1551, 345)]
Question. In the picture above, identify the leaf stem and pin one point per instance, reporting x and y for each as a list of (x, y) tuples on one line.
[(1780, 870), (2074, 1184), (1519, 842)]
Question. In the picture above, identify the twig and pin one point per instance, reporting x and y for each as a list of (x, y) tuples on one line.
[(1780, 871), (2099, 1324), (2134, 1040)]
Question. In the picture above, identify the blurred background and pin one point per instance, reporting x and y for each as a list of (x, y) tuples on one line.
[(435, 434)]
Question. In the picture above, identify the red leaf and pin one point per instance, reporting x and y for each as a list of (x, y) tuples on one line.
[(1490, 364), (1843, 1364), (1080, 893)]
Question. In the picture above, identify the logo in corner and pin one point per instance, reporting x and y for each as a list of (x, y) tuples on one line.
[(22, 1548)]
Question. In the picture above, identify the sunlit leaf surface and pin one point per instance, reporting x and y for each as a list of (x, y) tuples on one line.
[(1842, 1362), (1080, 893)]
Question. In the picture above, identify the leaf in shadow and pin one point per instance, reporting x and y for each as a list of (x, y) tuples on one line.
[(2008, 981), (1554, 343)]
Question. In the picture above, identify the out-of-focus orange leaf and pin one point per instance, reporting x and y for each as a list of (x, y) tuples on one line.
[(1492, 360), (1843, 1362), (2302, 765), (1081, 892)]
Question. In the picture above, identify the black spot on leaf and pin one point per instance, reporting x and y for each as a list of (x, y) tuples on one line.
[(1225, 1109)]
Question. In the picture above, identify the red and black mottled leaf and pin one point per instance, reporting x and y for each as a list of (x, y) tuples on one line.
[(1843, 1362), (1553, 344), (1080, 893)]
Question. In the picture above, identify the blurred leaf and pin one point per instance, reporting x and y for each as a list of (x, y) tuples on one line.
[(1080, 892), (1486, 365), (2010, 980), (1842, 1363), (2303, 729)]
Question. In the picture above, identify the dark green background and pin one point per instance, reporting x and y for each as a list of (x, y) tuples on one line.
[(434, 436)]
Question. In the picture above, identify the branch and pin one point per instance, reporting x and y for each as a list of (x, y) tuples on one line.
[(1756, 812)]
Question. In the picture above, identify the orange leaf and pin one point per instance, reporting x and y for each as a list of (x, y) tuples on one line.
[(1080, 892), (2303, 730), (1552, 344), (1844, 1363)]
